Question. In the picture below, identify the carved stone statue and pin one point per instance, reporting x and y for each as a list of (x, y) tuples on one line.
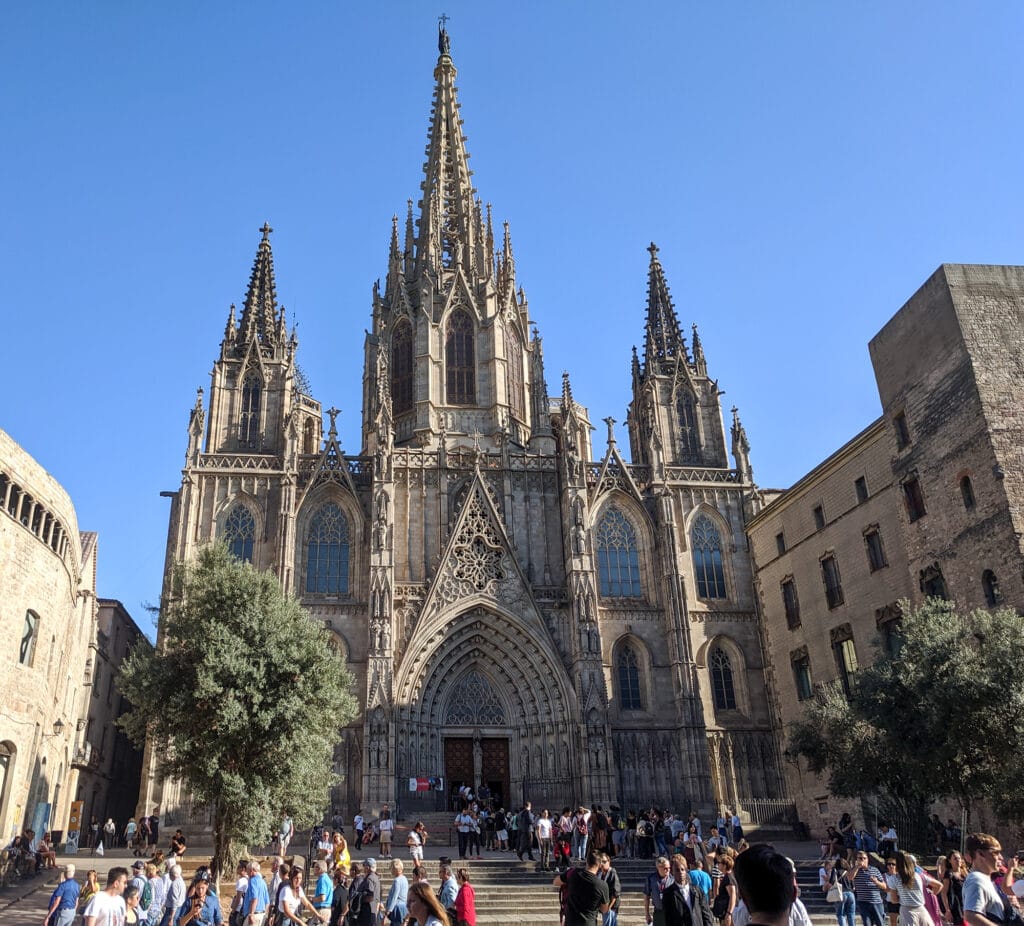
[(478, 760)]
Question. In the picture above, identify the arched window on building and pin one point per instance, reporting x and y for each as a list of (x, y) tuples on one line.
[(722, 689), (990, 586), (249, 423), (689, 438), (618, 563), (628, 667), (29, 635), (327, 549), (460, 359), (707, 558), (401, 367), (308, 437), (967, 492), (516, 397), (240, 533)]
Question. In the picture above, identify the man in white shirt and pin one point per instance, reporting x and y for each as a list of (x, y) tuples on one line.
[(174, 896), (464, 822), (359, 825), (982, 903), (543, 828), (241, 886), (107, 906)]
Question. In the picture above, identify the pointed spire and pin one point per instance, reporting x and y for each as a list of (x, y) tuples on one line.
[(447, 231), (260, 312), (567, 399), (664, 340), (507, 278), (741, 448), (394, 261), (700, 365), (229, 330)]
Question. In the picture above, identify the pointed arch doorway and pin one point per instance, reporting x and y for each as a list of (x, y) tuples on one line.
[(476, 739)]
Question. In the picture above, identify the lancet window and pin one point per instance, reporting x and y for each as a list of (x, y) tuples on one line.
[(249, 424), (689, 438), (721, 680), (327, 552), (707, 558), (628, 667), (29, 634), (460, 359), (240, 533), (516, 399), (618, 560), (401, 367)]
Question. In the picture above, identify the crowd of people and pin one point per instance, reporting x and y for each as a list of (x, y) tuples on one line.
[(976, 888)]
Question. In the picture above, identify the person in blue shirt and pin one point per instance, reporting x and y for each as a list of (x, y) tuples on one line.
[(700, 878), (64, 900), (201, 909), (323, 894), (256, 899)]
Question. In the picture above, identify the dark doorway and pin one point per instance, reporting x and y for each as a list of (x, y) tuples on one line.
[(458, 766)]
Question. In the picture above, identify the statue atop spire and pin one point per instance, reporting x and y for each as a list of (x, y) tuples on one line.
[(444, 45)]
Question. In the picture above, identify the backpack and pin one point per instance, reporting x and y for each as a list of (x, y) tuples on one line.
[(146, 898), (581, 826)]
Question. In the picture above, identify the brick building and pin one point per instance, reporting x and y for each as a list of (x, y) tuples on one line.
[(927, 500)]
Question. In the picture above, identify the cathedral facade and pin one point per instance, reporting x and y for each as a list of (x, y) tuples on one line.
[(517, 607)]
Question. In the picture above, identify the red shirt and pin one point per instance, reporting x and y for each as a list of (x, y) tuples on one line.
[(465, 904)]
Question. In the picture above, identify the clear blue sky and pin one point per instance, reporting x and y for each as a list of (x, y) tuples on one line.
[(803, 166)]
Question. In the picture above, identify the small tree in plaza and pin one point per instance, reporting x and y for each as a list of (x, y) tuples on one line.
[(942, 715), (242, 699)]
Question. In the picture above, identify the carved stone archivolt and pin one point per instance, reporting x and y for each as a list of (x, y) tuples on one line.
[(473, 703)]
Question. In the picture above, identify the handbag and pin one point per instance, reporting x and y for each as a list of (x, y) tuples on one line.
[(835, 891)]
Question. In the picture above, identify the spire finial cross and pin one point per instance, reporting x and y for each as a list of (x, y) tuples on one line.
[(653, 248), (334, 412), (266, 230), (442, 20)]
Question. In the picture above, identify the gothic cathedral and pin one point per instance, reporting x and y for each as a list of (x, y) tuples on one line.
[(517, 610)]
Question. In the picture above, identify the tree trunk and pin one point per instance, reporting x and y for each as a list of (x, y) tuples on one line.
[(221, 845)]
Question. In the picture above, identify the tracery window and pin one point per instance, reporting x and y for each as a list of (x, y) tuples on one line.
[(707, 558), (473, 703), (516, 399), (460, 359), (689, 439), (249, 424), (401, 367), (722, 689), (629, 679), (29, 634), (327, 550), (240, 533), (618, 563)]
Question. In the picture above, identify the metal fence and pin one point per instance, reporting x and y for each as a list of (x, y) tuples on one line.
[(768, 811)]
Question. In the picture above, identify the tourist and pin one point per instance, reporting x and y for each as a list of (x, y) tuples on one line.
[(130, 829), (396, 907), (911, 883), (737, 828), (256, 899), (726, 894), (94, 833), (586, 894), (892, 898), (562, 834), (323, 893), (174, 895), (339, 905), (655, 886), (238, 898), (952, 896), (982, 903), (448, 890), (131, 905), (424, 906), (64, 900), (202, 908), (386, 826), (285, 831), (524, 825), (580, 833), (886, 841), (45, 852), (610, 877), (293, 898), (867, 885), (142, 839), (90, 889), (416, 841), (138, 878), (465, 900), (324, 845), (474, 833), (764, 880), (464, 824), (501, 830), (339, 851), (154, 903), (110, 834), (360, 825), (106, 907), (154, 828), (683, 903), (364, 896), (543, 826)]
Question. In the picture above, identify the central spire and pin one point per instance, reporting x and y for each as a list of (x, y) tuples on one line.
[(664, 342), (260, 317), (448, 220)]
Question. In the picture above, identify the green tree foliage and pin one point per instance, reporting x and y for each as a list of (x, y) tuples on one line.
[(243, 698), (943, 717)]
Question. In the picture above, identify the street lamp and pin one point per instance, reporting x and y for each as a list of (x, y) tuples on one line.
[(58, 728)]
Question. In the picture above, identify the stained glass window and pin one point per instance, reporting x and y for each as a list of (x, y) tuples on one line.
[(327, 552), (240, 533), (249, 425), (401, 367), (459, 359), (629, 680), (707, 559), (721, 680), (618, 563), (516, 399)]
